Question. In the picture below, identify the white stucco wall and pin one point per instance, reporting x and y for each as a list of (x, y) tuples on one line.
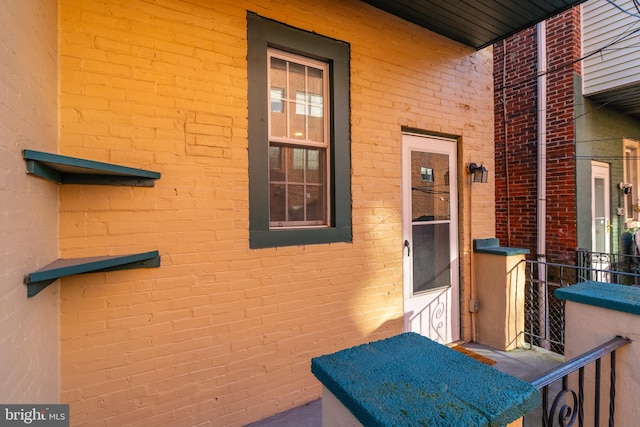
[(29, 336), (589, 326)]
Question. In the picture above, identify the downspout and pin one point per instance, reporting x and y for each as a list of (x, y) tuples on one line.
[(506, 139), (542, 176)]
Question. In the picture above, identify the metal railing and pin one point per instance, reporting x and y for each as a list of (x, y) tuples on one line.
[(569, 405), (544, 313), (604, 267)]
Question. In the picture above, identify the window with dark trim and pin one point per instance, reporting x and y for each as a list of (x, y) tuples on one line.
[(631, 186), (299, 136)]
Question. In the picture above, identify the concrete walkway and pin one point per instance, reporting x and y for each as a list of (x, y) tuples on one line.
[(521, 363), (309, 415)]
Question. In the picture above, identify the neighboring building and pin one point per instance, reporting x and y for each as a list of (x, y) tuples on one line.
[(296, 166), (592, 133)]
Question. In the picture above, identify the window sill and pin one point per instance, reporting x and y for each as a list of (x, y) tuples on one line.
[(297, 237)]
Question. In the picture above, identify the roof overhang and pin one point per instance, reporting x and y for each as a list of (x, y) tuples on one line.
[(475, 23)]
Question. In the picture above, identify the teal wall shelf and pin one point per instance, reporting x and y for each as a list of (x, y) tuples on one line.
[(42, 278), (72, 170)]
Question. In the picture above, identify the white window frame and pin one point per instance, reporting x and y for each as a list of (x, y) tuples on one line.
[(631, 169), (308, 108)]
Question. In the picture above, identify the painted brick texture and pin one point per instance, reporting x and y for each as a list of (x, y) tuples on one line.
[(515, 62), (222, 334), (29, 340)]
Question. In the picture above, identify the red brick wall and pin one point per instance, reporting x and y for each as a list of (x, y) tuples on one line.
[(515, 63), (563, 46)]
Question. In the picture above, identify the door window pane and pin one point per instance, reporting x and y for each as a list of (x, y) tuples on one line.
[(599, 215), (429, 186), (431, 260)]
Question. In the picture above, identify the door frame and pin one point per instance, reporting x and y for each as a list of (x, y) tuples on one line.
[(601, 170), (415, 142)]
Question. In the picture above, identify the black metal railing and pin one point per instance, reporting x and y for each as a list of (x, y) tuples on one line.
[(544, 313), (569, 406), (605, 267)]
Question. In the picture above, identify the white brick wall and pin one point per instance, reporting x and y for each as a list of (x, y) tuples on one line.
[(221, 334)]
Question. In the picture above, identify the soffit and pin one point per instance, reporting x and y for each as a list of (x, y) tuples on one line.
[(475, 23), (625, 100)]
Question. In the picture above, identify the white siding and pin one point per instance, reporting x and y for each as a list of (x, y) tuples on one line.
[(613, 38)]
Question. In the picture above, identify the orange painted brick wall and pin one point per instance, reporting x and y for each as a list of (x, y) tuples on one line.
[(29, 339), (223, 335)]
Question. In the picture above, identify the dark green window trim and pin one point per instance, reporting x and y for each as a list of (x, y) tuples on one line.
[(263, 33)]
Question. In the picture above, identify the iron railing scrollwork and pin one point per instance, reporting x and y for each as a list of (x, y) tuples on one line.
[(568, 404)]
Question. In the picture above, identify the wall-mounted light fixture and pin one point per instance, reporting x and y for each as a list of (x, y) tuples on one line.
[(480, 173)]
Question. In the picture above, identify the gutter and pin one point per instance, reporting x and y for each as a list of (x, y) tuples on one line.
[(542, 141), (541, 30)]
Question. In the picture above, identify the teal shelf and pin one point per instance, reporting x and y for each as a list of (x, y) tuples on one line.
[(72, 170), (42, 278)]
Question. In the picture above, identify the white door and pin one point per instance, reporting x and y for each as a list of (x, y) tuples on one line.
[(430, 236), (601, 220)]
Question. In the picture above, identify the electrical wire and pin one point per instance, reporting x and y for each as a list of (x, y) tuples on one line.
[(619, 39), (601, 103), (635, 3)]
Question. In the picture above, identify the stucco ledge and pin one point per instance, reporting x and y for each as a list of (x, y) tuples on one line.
[(606, 295), (492, 246)]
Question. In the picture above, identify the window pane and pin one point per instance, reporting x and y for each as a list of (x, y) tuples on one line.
[(295, 197), (297, 88), (278, 113), (297, 120), (314, 172), (315, 80), (316, 129), (431, 260), (599, 214), (298, 187), (276, 165), (277, 203), (429, 186), (295, 165), (297, 99), (278, 75), (316, 104), (315, 204)]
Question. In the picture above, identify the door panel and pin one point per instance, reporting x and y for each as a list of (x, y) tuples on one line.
[(430, 231), (431, 267)]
